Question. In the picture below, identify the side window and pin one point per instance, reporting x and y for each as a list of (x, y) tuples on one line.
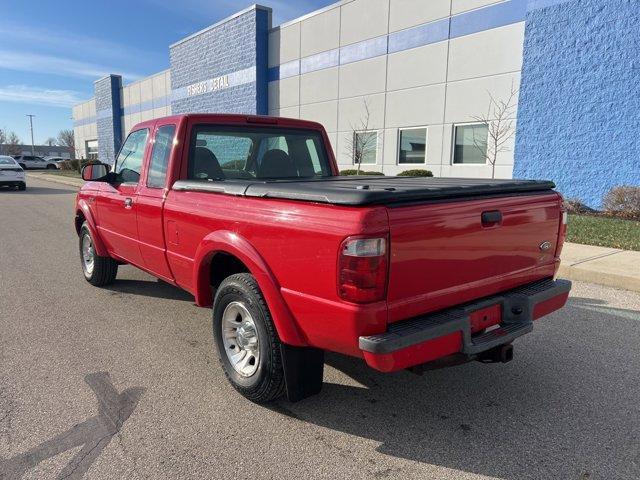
[(129, 162), (162, 146)]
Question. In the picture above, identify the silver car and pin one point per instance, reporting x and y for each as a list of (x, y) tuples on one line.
[(11, 174), (29, 161)]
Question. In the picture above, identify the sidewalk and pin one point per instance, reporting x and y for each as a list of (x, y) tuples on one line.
[(605, 266), (74, 182)]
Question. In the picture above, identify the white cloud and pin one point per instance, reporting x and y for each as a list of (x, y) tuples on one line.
[(38, 38), (53, 65), (39, 96)]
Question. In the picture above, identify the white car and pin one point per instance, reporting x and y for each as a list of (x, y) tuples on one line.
[(11, 174), (30, 161)]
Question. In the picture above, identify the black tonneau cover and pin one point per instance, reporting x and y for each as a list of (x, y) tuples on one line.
[(367, 190)]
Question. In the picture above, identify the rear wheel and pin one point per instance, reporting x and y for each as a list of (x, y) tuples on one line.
[(247, 341), (98, 271), (22, 186), (51, 166)]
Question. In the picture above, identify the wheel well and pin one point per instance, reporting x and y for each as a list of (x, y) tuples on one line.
[(224, 265), (79, 221)]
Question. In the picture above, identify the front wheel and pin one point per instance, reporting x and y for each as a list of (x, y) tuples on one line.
[(98, 271), (247, 341), (23, 166), (51, 166)]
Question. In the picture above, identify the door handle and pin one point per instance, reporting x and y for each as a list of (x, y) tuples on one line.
[(491, 218), (128, 202)]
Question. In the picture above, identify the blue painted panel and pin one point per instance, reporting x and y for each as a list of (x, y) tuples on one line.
[(578, 118), (320, 61), (418, 36), (363, 50), (494, 16)]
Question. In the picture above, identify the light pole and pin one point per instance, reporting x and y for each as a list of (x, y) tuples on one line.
[(33, 153)]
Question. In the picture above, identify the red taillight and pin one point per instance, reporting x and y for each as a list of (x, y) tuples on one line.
[(362, 269), (562, 231)]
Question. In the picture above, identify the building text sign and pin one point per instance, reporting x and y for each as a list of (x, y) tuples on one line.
[(211, 85)]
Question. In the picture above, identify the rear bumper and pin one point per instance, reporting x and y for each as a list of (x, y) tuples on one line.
[(430, 337)]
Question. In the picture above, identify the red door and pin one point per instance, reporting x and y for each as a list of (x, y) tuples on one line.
[(151, 195), (117, 206)]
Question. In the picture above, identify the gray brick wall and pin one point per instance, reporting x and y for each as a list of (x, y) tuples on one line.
[(109, 123), (232, 46)]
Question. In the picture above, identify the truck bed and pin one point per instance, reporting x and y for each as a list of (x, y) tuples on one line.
[(367, 190)]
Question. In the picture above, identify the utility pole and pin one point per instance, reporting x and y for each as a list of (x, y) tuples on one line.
[(33, 148)]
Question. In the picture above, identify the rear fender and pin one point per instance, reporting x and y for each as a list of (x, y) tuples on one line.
[(233, 244), (98, 244)]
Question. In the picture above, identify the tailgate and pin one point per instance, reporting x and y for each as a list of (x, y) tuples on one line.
[(447, 253)]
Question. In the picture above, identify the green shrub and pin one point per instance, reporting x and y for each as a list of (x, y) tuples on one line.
[(362, 172), (623, 201), (416, 173)]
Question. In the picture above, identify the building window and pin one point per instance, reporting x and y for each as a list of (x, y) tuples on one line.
[(470, 144), (91, 149), (413, 146), (365, 148)]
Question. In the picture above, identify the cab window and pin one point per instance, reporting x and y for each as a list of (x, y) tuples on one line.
[(162, 146), (240, 152), (129, 161)]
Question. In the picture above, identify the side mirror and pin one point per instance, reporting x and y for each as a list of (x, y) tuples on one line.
[(95, 171)]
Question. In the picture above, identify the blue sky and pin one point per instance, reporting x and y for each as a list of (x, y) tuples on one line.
[(52, 51)]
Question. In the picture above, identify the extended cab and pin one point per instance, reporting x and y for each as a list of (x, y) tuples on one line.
[(249, 215)]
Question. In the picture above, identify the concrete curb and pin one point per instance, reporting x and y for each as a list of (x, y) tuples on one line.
[(603, 266), (56, 179)]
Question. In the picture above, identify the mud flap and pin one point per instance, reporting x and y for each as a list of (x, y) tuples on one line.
[(303, 371)]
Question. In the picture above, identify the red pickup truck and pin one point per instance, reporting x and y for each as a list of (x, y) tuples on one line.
[(249, 214)]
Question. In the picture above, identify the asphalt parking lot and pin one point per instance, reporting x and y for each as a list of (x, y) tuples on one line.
[(124, 383)]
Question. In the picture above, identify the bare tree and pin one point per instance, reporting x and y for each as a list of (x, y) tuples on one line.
[(362, 140), (13, 144), (50, 141), (499, 122), (67, 139), (3, 139)]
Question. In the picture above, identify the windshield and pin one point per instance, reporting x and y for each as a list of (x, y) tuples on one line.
[(241, 152)]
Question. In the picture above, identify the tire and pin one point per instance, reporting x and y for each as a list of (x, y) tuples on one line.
[(51, 167), (239, 296), (100, 271), (22, 187), (23, 166)]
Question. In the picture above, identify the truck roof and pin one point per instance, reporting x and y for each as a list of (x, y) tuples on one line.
[(360, 190), (230, 118)]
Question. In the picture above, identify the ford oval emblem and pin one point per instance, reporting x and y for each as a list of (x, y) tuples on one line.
[(544, 246)]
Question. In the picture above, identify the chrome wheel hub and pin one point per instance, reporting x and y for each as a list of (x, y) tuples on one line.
[(87, 254), (240, 339)]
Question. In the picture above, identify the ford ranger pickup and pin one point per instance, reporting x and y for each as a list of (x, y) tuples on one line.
[(249, 215)]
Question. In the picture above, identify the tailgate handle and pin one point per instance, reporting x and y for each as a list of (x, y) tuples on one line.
[(491, 218)]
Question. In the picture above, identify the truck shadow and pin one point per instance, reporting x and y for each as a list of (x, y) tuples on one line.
[(93, 435), (566, 407), (153, 289)]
